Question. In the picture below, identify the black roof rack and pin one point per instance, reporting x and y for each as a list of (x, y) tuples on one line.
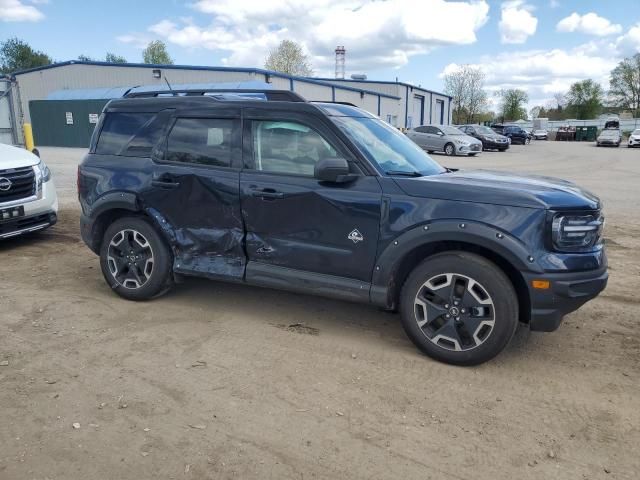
[(271, 95), (349, 104)]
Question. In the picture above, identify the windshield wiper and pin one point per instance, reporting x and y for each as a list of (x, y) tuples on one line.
[(404, 173)]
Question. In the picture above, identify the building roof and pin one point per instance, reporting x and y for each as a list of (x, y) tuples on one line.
[(259, 71), (382, 82)]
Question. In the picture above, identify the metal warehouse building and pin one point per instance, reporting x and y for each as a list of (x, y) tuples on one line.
[(69, 122)]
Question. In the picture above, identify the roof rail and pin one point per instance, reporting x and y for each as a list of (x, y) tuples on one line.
[(337, 103), (271, 95)]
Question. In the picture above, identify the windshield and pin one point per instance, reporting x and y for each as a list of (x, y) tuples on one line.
[(636, 132), (484, 131), (450, 130), (386, 147)]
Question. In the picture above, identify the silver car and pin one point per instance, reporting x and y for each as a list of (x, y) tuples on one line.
[(443, 138)]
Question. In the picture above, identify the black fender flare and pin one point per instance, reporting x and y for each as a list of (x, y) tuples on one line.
[(113, 201), (476, 233)]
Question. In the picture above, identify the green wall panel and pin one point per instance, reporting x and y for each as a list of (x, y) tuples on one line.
[(49, 122)]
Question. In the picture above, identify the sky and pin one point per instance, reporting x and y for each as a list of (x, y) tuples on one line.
[(540, 46)]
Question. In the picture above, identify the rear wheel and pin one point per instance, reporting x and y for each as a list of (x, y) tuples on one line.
[(449, 149), (135, 260), (459, 308)]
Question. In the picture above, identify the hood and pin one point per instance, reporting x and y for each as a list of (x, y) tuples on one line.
[(15, 157), (500, 188), (465, 138)]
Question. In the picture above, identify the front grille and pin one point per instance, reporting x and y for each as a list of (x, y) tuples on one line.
[(475, 147), (23, 184)]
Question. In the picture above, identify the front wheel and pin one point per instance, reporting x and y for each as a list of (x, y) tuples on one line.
[(459, 308), (135, 261), (527, 141), (449, 149)]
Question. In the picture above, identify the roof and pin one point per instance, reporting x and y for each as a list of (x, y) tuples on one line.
[(382, 82), (258, 71)]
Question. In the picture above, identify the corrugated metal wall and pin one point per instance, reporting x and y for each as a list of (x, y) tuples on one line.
[(64, 123)]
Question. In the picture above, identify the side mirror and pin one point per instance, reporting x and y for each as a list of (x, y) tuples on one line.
[(334, 170)]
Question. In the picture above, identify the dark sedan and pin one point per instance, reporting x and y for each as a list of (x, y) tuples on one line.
[(515, 133), (490, 139)]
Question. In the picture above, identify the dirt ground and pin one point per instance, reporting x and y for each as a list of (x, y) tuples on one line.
[(213, 382)]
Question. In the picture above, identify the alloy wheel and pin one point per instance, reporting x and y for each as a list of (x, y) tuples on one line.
[(454, 311), (448, 149), (130, 258)]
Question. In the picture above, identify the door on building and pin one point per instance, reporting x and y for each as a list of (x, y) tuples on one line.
[(440, 112), (418, 110)]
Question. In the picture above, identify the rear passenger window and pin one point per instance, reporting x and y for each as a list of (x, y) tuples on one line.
[(205, 141), (119, 129)]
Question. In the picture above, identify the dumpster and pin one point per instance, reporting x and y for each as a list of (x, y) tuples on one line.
[(592, 133), (581, 134)]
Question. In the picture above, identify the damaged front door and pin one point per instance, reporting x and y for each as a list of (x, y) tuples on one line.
[(194, 194)]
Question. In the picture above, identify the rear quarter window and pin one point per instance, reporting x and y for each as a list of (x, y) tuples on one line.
[(129, 134)]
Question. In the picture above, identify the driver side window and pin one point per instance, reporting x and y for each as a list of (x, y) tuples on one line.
[(288, 147)]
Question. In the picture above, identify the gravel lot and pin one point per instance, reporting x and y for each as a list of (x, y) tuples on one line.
[(212, 381)]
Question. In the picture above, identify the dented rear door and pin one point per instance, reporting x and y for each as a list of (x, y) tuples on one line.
[(194, 193)]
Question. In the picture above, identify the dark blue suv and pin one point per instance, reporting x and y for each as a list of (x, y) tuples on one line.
[(268, 189)]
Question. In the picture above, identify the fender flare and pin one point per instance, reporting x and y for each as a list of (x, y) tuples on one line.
[(112, 201), (488, 237)]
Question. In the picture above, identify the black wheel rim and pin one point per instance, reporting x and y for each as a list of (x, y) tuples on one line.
[(454, 311), (130, 259)]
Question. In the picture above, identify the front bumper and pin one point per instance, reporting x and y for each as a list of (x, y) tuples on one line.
[(39, 214), (567, 293), (471, 149), (634, 142), (488, 144)]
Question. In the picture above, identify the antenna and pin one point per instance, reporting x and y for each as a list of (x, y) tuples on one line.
[(169, 85), (340, 59)]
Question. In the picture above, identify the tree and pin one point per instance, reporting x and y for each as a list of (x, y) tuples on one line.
[(85, 58), (156, 53), (535, 111), (289, 58), (466, 87), (584, 99), (512, 104), (18, 55), (625, 84), (113, 58)]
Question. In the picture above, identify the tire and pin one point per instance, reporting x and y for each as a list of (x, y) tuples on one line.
[(502, 149), (150, 256), (490, 309), (527, 141), (449, 149)]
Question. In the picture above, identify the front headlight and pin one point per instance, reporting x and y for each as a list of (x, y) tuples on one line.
[(45, 173), (576, 233)]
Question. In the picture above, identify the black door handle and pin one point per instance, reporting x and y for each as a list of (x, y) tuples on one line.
[(267, 193)]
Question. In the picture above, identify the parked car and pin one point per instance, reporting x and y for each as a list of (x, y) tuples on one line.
[(28, 200), (490, 139), (634, 138), (444, 138), (514, 133), (540, 135), (609, 137), (327, 199)]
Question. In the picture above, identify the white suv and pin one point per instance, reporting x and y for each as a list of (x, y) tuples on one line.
[(28, 200)]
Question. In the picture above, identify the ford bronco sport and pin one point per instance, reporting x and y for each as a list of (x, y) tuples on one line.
[(268, 189)]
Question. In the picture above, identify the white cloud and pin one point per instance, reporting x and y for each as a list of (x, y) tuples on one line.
[(629, 43), (541, 73), (17, 11), (590, 24), (376, 34), (517, 23)]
